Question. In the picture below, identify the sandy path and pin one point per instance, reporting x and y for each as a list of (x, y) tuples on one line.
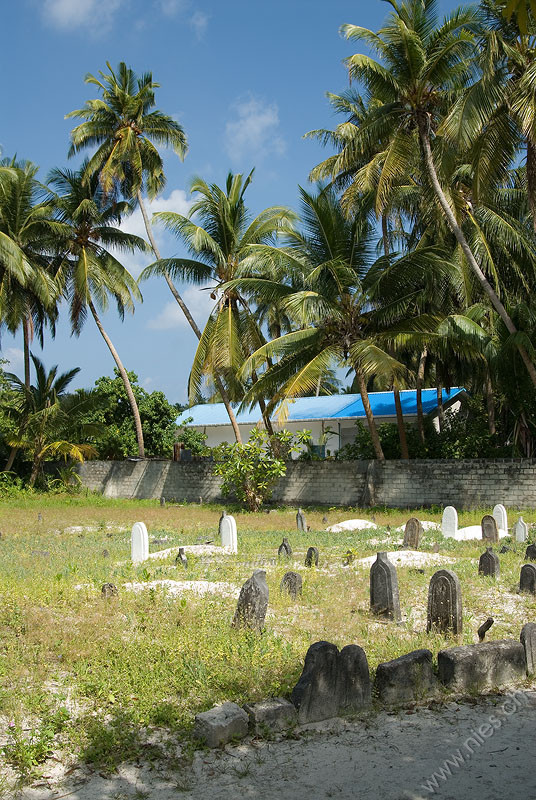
[(387, 757)]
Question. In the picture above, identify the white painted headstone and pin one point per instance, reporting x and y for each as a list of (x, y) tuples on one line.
[(449, 522), (500, 517), (228, 533), (139, 542), (521, 530)]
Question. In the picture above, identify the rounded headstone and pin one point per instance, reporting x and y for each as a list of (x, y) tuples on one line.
[(489, 564), (284, 549), (449, 522), (521, 530), (444, 603), (490, 529), (291, 584), (500, 517), (412, 534), (109, 590), (311, 557), (384, 598), (139, 542), (527, 579)]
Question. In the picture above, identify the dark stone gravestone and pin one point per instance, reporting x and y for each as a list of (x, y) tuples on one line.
[(445, 602), (109, 590), (252, 602), (490, 531), (162, 502), (301, 522), (384, 599), (284, 549), (311, 557), (291, 584), (106, 554), (332, 682), (484, 628), (530, 552), (181, 558), (489, 564), (412, 534), (325, 520), (407, 678), (504, 549), (528, 640), (527, 579)]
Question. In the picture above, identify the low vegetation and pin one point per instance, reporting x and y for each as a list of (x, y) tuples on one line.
[(95, 680)]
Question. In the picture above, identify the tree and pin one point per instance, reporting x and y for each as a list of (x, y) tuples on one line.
[(117, 436), (336, 321), (424, 66), (28, 293), (223, 244), (45, 416), (88, 272)]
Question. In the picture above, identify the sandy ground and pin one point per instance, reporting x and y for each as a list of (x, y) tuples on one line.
[(408, 558), (382, 757)]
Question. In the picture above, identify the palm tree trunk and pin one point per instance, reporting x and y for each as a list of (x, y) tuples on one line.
[(370, 417), (531, 180), (185, 310), (35, 472), (126, 382), (490, 405), (420, 381), (485, 285), (26, 338), (440, 409), (404, 451)]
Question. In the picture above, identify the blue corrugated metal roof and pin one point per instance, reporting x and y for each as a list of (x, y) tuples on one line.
[(337, 406)]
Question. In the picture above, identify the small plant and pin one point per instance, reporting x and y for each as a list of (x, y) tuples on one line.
[(27, 749), (251, 470)]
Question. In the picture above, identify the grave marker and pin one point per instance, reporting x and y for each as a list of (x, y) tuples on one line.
[(527, 579), (139, 543), (252, 602), (291, 584), (530, 553), (449, 522), (301, 522), (311, 557), (445, 602), (227, 528), (181, 558), (521, 530), (412, 534), (500, 517), (489, 564), (490, 530), (109, 590), (528, 640), (284, 548), (384, 598)]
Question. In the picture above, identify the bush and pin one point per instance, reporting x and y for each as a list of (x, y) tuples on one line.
[(250, 471)]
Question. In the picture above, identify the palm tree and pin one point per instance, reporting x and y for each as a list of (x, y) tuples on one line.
[(336, 321), (423, 68), (222, 246), (27, 293), (88, 272), (45, 415)]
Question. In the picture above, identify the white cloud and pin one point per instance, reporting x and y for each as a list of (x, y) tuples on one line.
[(177, 202), (170, 8), (15, 358), (254, 134), (199, 22), (198, 301), (95, 15)]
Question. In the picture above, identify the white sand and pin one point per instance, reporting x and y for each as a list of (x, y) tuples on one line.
[(179, 587), (408, 558), (352, 525), (195, 549), (427, 525), (385, 757), (473, 532)]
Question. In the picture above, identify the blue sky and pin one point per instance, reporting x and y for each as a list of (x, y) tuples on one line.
[(245, 78)]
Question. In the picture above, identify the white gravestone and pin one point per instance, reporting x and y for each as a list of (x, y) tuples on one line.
[(139, 543), (499, 515), (521, 530), (228, 533), (449, 522)]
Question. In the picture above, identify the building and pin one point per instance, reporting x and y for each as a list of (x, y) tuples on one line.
[(331, 419)]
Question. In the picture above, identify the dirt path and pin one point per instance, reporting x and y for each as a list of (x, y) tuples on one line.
[(388, 757)]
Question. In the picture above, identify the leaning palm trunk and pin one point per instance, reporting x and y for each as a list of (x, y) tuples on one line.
[(485, 285), (490, 405), (370, 416), (404, 452), (420, 381), (440, 409), (126, 382), (185, 310)]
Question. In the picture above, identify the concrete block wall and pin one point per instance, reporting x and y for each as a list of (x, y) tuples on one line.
[(395, 484)]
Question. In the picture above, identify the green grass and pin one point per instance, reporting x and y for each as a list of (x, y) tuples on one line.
[(95, 676)]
